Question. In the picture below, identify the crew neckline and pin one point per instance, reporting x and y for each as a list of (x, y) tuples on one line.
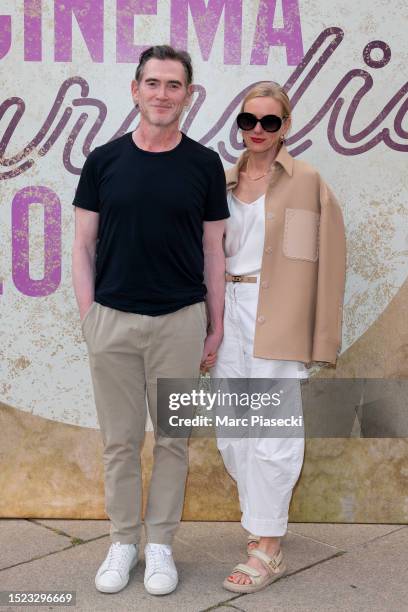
[(139, 150)]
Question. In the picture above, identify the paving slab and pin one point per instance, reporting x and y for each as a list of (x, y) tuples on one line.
[(22, 540), (79, 529), (370, 577), (344, 537), (205, 554), (74, 569), (226, 543)]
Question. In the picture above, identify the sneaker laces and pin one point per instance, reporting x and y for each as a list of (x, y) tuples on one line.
[(118, 557), (158, 555)]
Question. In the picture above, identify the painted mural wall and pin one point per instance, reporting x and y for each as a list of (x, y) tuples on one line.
[(66, 68)]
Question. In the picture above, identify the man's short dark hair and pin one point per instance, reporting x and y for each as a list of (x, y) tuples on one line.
[(163, 52)]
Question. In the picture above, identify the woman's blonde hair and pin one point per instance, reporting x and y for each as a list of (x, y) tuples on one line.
[(270, 89)]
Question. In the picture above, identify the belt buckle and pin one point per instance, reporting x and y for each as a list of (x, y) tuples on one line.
[(236, 279)]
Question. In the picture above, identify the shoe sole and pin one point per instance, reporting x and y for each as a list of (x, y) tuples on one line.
[(167, 591), (103, 589)]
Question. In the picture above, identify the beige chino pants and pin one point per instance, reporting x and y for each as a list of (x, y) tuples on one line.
[(127, 353)]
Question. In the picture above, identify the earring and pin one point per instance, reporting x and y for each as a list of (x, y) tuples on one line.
[(282, 139)]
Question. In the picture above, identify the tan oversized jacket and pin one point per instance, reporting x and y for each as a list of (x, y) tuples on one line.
[(302, 280)]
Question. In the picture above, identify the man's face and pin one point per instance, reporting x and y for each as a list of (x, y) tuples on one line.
[(162, 93)]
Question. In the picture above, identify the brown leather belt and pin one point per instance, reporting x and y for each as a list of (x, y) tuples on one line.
[(230, 278)]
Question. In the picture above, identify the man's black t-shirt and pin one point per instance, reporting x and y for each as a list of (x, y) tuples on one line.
[(149, 257)]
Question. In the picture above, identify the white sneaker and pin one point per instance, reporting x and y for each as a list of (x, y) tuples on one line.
[(161, 574), (113, 574)]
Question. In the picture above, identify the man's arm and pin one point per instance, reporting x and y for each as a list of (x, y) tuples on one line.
[(83, 258), (214, 278)]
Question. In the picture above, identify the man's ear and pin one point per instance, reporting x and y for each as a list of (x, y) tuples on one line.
[(135, 91), (190, 91)]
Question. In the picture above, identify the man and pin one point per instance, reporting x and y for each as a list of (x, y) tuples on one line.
[(149, 219)]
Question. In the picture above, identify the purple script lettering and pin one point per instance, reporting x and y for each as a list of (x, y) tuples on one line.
[(32, 31), (206, 20), (52, 241), (126, 50), (267, 36), (385, 125), (89, 16)]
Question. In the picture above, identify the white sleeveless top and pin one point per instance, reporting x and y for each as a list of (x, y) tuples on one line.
[(244, 235), (244, 243)]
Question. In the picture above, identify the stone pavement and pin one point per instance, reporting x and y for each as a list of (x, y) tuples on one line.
[(330, 567)]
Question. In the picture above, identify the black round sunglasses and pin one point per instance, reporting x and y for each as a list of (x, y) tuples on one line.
[(270, 123)]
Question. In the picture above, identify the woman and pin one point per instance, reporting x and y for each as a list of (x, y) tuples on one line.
[(285, 264)]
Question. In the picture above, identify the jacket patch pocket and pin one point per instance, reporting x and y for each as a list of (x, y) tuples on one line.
[(301, 237)]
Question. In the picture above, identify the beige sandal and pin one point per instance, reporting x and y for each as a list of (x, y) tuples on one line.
[(274, 566), (252, 539)]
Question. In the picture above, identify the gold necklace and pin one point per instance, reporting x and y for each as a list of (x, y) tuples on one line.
[(258, 178)]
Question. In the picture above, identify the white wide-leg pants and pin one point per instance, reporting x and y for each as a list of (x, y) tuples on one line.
[(266, 468)]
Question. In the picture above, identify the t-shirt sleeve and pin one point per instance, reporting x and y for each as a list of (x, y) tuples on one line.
[(216, 205), (87, 191)]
